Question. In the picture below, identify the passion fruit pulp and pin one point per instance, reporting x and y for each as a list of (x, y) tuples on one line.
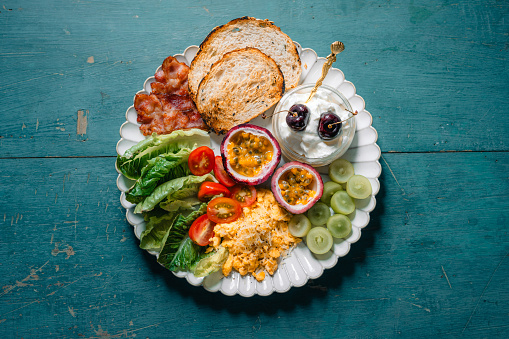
[(297, 186), (250, 154)]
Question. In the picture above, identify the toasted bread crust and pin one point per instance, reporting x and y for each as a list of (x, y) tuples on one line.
[(238, 88), (288, 59)]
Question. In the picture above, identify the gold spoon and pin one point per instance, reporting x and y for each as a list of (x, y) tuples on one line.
[(336, 48)]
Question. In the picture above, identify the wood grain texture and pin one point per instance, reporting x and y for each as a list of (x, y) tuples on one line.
[(432, 262), (71, 263), (431, 73)]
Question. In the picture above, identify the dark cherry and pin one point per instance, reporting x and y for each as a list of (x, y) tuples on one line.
[(298, 117), (328, 127)]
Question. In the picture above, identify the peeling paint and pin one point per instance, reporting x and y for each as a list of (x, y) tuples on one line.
[(69, 251), (100, 331), (81, 126), (71, 311), (23, 283)]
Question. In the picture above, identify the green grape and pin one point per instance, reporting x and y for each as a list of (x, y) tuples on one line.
[(339, 225), (318, 214), (342, 203), (358, 187), (340, 170), (299, 225), (329, 188), (319, 240)]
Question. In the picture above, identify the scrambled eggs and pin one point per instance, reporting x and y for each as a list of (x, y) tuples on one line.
[(257, 239)]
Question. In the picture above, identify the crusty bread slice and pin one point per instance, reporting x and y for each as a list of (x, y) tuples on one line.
[(238, 88), (241, 33)]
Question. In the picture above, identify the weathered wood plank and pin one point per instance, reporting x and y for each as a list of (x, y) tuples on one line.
[(431, 73), (432, 261)]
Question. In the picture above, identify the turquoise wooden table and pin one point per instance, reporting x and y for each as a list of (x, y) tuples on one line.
[(433, 261)]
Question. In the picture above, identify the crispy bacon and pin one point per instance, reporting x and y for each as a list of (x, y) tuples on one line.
[(168, 107), (171, 78), (165, 113)]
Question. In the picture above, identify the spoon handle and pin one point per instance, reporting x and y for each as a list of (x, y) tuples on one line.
[(336, 47), (331, 58)]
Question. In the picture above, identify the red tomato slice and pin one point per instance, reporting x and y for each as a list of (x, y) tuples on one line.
[(202, 230), (245, 195), (201, 160), (223, 210), (221, 175), (209, 189)]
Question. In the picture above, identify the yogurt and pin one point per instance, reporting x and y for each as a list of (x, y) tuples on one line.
[(307, 143)]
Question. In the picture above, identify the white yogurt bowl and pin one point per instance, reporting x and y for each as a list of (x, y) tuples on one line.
[(306, 146)]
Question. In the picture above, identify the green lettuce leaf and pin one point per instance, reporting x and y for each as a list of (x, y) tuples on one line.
[(134, 159), (160, 169), (156, 231), (188, 220), (178, 251), (175, 205), (175, 189), (210, 262), (187, 253), (186, 196), (158, 225)]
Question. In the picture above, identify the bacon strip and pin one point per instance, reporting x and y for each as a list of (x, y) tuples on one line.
[(168, 107)]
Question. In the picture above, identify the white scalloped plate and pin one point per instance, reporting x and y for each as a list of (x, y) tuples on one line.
[(300, 265)]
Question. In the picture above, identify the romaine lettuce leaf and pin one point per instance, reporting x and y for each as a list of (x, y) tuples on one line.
[(171, 189), (175, 205), (156, 231), (187, 253), (189, 218), (134, 159), (210, 262), (158, 226), (178, 251), (186, 196), (158, 170)]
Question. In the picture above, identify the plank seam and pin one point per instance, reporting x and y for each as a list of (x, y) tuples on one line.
[(114, 156)]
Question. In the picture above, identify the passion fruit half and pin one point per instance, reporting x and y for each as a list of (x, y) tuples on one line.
[(297, 186), (250, 154)]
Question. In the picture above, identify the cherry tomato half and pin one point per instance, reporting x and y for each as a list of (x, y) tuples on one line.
[(223, 210), (221, 175), (209, 189), (245, 195), (201, 161), (202, 230)]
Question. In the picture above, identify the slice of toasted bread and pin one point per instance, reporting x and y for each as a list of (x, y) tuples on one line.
[(238, 88), (241, 33)]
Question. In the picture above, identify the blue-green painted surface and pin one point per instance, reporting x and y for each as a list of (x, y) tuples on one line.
[(432, 262)]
